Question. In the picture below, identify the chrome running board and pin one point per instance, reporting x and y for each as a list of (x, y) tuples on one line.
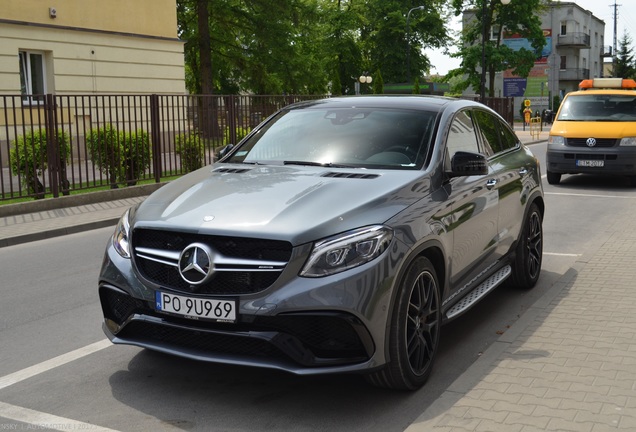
[(479, 292)]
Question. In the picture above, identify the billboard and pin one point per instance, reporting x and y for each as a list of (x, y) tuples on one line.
[(536, 84)]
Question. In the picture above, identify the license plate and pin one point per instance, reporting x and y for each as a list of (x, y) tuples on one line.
[(196, 307), (590, 163)]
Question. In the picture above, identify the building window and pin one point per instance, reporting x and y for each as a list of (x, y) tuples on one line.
[(563, 62), (564, 29), (32, 75), (494, 32)]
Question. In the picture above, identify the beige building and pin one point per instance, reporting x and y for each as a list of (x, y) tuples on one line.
[(68, 47)]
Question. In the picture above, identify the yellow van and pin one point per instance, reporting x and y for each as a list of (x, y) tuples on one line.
[(595, 131)]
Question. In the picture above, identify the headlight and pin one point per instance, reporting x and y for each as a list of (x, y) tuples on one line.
[(556, 140), (628, 142), (344, 251), (120, 237)]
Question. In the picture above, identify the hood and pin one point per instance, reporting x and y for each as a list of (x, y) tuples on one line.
[(597, 129), (294, 203)]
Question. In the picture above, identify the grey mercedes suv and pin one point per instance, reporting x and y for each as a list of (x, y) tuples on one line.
[(337, 237)]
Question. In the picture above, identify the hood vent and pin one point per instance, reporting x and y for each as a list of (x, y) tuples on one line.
[(350, 175), (232, 170)]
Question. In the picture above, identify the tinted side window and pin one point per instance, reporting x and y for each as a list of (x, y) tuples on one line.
[(461, 137), (508, 139), (488, 131)]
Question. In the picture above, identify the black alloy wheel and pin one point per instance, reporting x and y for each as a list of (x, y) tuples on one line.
[(527, 264), (415, 330)]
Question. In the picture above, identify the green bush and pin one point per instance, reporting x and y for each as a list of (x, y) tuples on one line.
[(28, 155), (138, 154), (190, 149), (122, 156), (241, 132)]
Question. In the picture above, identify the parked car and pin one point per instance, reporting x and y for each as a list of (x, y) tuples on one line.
[(595, 131), (337, 237)]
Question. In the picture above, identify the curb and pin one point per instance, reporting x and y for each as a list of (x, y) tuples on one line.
[(57, 232), (47, 204)]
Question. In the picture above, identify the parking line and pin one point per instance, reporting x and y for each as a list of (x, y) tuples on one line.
[(40, 420), (47, 365), (561, 254), (590, 195)]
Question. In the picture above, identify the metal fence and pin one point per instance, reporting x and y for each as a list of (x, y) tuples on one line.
[(51, 145)]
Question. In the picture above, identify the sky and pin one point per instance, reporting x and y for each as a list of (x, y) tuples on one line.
[(602, 9)]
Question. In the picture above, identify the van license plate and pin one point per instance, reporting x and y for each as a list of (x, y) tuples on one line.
[(590, 163)]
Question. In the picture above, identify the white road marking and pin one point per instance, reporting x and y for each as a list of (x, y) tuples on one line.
[(561, 254), (29, 372), (590, 195), (40, 420)]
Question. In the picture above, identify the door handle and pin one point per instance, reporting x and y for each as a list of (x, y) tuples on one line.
[(523, 171), (491, 183)]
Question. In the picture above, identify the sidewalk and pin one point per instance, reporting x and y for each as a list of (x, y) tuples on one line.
[(41, 219), (568, 364)]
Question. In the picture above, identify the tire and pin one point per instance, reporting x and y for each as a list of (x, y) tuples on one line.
[(553, 178), (529, 254), (414, 331)]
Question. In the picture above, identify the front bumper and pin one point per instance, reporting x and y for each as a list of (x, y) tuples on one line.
[(292, 342), (615, 160), (300, 325)]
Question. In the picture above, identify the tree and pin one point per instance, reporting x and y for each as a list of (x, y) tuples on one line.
[(624, 64), (518, 17), (384, 36), (293, 46), (378, 83)]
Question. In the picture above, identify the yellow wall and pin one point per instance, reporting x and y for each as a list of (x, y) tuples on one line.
[(94, 46), (146, 17)]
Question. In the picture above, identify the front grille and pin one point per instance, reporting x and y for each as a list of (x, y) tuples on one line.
[(600, 142), (590, 156), (233, 280), (307, 339)]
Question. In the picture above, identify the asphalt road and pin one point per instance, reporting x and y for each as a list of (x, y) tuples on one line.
[(58, 372)]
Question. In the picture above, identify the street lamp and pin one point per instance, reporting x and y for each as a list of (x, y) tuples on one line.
[(364, 78), (485, 26), (408, 44)]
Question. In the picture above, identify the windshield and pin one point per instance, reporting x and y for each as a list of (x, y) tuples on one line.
[(599, 107), (345, 137)]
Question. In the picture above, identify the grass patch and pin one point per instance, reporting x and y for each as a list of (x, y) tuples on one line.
[(86, 188)]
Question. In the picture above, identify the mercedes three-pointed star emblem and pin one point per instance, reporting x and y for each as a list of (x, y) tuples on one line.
[(196, 263)]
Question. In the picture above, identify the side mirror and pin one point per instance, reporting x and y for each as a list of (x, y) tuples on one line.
[(468, 164), (225, 150)]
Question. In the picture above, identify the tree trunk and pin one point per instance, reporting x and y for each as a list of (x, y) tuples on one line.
[(208, 109)]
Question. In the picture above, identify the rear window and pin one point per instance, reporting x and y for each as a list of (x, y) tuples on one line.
[(599, 107)]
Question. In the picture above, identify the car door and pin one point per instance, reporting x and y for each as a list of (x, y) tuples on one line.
[(474, 204), (507, 160)]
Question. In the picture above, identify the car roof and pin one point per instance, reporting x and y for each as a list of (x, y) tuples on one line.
[(423, 102)]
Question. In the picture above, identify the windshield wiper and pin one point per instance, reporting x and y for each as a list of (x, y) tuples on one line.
[(320, 164)]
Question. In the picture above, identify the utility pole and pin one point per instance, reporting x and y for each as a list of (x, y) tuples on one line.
[(615, 47)]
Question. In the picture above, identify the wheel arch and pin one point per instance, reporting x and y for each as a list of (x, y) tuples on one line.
[(434, 252)]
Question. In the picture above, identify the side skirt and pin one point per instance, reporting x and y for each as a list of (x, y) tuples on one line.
[(479, 292)]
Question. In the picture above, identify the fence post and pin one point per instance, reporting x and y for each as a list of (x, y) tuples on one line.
[(155, 134), (232, 120), (52, 146)]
